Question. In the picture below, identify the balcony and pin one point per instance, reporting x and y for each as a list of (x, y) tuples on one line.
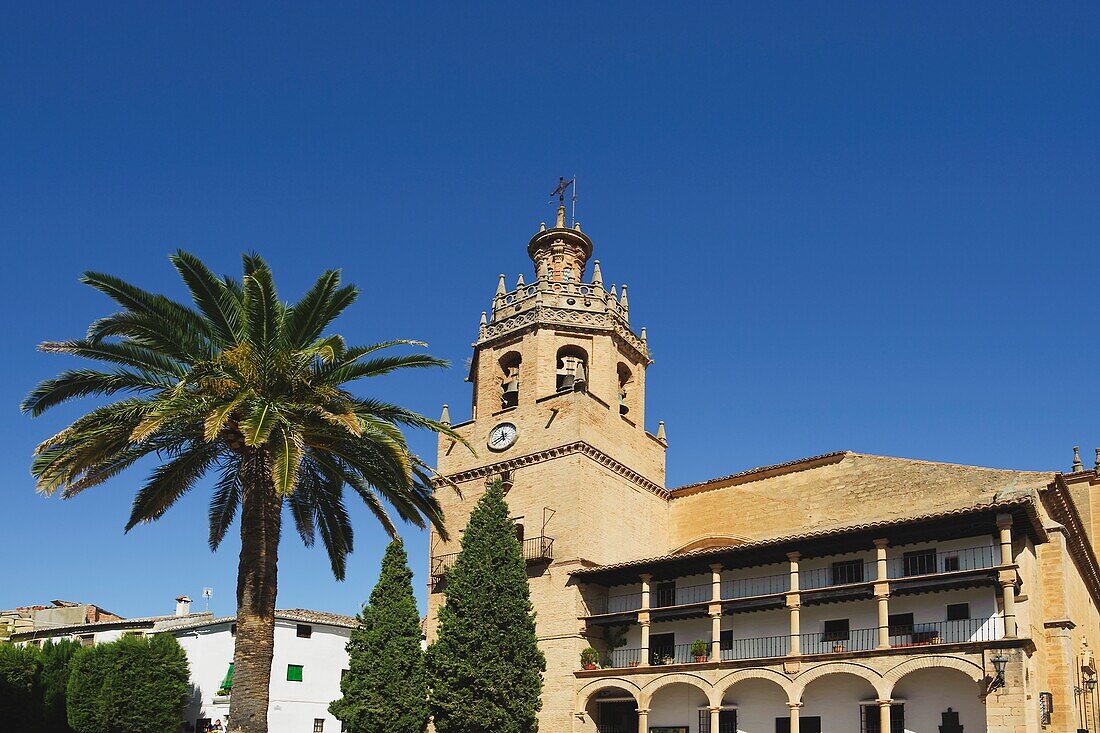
[(921, 635), (535, 551), (913, 572)]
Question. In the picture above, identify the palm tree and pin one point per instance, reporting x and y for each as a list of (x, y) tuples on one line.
[(250, 388)]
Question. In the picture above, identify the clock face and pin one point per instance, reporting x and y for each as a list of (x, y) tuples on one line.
[(503, 436)]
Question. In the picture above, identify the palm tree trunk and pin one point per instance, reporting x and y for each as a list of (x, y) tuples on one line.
[(257, 580)]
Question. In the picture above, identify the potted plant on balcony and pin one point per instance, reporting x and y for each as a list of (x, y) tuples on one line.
[(590, 658), (838, 646), (700, 650), (616, 639)]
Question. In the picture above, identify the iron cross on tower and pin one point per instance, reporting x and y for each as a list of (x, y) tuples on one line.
[(563, 186)]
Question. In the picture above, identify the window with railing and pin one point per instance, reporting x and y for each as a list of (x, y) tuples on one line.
[(919, 562), (847, 571), (835, 630), (662, 648), (663, 594)]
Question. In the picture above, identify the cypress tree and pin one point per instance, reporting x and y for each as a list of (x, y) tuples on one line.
[(147, 686), (485, 667), (84, 694), (20, 687), (56, 665), (386, 687)]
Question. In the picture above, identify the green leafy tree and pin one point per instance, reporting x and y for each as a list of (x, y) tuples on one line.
[(56, 665), (485, 667), (251, 388), (20, 687), (386, 687), (147, 686), (84, 700)]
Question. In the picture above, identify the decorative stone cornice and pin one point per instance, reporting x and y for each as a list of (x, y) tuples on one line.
[(1062, 510), (550, 454), (587, 321)]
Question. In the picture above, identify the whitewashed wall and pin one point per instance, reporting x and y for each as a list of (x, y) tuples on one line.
[(759, 703), (836, 700), (677, 704), (294, 705), (929, 692)]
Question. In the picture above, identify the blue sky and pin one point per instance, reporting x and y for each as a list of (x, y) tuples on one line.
[(867, 226)]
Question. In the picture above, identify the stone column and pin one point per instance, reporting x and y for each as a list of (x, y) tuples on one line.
[(715, 610), (643, 619), (643, 720), (794, 603), (882, 594), (716, 634), (884, 716), (1007, 578), (715, 719), (794, 706)]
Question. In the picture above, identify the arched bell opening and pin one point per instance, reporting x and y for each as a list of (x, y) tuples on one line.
[(509, 379), (626, 388), (572, 372)]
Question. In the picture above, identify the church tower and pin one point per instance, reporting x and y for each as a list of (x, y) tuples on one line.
[(558, 412)]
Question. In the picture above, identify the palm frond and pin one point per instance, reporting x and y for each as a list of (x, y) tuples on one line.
[(334, 526), (378, 367), (124, 353), (170, 481), (286, 456), (226, 500), (147, 329), (217, 303), (262, 309), (133, 298), (88, 382), (258, 424), (307, 318), (301, 502)]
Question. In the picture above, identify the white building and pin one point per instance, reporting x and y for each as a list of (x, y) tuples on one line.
[(310, 657)]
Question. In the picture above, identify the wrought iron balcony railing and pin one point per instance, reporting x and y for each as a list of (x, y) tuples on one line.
[(821, 642), (534, 549), (910, 565)]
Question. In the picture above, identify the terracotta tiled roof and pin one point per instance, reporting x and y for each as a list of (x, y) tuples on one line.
[(126, 623), (317, 617), (1023, 502), (760, 470), (181, 623), (291, 614)]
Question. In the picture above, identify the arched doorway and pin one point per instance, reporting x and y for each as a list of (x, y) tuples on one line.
[(678, 705), (939, 699), (613, 710), (839, 701), (753, 705)]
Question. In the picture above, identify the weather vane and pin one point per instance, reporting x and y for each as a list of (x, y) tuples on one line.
[(563, 186)]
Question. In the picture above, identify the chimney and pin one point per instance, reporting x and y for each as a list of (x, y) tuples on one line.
[(183, 606)]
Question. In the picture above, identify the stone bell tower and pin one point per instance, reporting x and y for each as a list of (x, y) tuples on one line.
[(558, 412)]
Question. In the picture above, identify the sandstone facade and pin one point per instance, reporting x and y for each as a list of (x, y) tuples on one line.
[(838, 592)]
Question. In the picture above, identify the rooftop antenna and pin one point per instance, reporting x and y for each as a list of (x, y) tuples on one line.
[(207, 593)]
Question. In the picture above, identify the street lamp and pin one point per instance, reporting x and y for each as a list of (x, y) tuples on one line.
[(999, 663)]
